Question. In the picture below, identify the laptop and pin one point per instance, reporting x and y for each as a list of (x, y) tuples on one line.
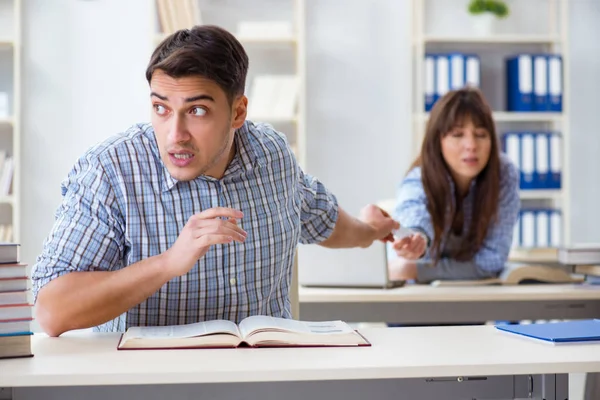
[(345, 268)]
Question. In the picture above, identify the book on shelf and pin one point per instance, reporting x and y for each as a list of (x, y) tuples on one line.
[(273, 97), (517, 274), (253, 331), (177, 14)]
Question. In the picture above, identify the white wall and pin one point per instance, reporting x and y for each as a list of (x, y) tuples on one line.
[(84, 64), (358, 116), (585, 120)]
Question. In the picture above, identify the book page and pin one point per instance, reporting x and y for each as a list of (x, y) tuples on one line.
[(260, 323), (183, 331)]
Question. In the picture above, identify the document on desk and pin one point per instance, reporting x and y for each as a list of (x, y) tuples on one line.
[(578, 331)]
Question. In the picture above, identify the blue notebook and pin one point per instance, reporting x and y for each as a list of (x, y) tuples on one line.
[(558, 332)]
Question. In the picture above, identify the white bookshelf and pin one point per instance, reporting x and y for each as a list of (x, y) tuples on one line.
[(499, 39), (10, 125), (554, 38), (287, 48)]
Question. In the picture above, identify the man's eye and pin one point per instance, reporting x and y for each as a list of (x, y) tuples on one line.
[(160, 110), (199, 111)]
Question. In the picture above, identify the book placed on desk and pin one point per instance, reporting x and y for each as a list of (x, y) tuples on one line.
[(16, 310), (580, 254), (9, 253), (517, 274), (254, 331), (578, 331)]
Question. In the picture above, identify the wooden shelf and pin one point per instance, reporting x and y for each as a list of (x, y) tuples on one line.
[(541, 194), (287, 40), (498, 39), (267, 40), (510, 116)]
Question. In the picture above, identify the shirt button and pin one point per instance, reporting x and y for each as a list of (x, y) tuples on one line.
[(232, 281)]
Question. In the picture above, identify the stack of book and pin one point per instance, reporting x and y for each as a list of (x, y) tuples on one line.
[(16, 311)]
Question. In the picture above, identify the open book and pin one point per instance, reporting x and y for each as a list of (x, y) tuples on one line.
[(516, 274), (254, 331)]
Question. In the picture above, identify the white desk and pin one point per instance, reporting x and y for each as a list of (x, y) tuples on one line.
[(400, 361), (423, 304)]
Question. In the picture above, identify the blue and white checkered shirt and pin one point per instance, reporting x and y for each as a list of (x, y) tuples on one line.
[(120, 205), (411, 212)]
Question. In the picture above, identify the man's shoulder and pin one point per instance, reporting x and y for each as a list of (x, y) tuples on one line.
[(136, 137), (266, 140), (117, 153), (135, 144)]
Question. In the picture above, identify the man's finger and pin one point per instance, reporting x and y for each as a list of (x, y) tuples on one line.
[(225, 227), (213, 239), (217, 212)]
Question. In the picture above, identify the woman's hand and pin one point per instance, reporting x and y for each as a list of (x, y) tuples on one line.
[(410, 247)]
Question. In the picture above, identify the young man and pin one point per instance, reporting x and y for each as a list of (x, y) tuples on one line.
[(193, 217)]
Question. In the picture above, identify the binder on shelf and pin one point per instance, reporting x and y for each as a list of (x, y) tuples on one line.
[(556, 224), (555, 82), (449, 71), (519, 82), (442, 76), (540, 83), (429, 81), (542, 161), (542, 228), (528, 161), (511, 145), (472, 70), (538, 228), (457, 72), (555, 140), (528, 232), (537, 156)]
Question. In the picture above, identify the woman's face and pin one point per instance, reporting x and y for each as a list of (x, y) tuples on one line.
[(466, 150)]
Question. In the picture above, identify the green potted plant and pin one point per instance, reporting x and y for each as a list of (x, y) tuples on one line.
[(485, 13)]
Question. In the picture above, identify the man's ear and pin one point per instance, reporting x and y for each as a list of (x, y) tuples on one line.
[(240, 110)]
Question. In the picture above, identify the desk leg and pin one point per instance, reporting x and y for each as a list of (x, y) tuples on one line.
[(542, 387)]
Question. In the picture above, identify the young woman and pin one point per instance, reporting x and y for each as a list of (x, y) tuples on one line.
[(461, 197)]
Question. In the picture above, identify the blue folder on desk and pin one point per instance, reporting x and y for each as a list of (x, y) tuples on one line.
[(558, 332)]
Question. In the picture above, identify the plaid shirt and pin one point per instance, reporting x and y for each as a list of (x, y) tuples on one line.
[(120, 205), (411, 212)]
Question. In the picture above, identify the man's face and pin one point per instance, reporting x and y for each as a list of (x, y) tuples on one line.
[(194, 125)]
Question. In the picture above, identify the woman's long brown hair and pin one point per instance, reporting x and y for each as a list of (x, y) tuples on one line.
[(448, 112)]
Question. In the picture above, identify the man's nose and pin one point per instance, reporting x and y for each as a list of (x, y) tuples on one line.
[(178, 131)]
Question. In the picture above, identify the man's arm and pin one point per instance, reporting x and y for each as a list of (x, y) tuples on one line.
[(85, 299), (353, 232)]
